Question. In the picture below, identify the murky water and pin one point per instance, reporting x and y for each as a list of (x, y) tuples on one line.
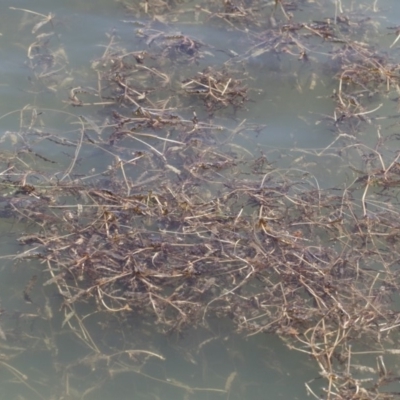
[(213, 363)]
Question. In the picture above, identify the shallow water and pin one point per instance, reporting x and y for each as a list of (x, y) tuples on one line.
[(201, 364)]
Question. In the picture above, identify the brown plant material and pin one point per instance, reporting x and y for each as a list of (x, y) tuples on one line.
[(181, 225)]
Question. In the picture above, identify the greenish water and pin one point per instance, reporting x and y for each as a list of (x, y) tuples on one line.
[(50, 360)]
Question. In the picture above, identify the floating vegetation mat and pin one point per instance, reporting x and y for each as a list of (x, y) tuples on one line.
[(179, 223)]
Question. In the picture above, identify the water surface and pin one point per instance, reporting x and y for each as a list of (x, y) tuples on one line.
[(288, 97)]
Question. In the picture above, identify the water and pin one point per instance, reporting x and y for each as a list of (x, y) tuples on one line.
[(53, 360)]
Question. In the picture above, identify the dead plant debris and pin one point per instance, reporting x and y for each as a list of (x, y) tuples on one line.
[(181, 224)]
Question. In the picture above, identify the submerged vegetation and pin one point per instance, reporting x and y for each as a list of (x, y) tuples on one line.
[(179, 223)]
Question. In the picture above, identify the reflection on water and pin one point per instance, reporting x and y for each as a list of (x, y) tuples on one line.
[(50, 350)]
